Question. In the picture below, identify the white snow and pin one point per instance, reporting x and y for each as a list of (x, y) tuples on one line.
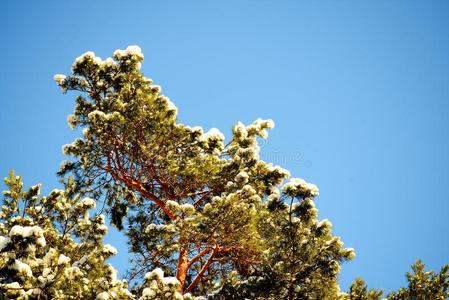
[(351, 253), (270, 123), (85, 56), (170, 281), (13, 285), (46, 272), (158, 272), (213, 134), (57, 191), (171, 106), (196, 129), (103, 296), (40, 241), (4, 241), (283, 172), (325, 223), (59, 78), (109, 249), (97, 60), (102, 228), (22, 268), (242, 177), (109, 62), (82, 57), (148, 292), (72, 272), (159, 227), (240, 131), (129, 51), (26, 231), (96, 113), (298, 186), (113, 273), (63, 259), (85, 132), (86, 203), (155, 273)]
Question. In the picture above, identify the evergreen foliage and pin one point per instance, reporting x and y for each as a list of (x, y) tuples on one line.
[(51, 248), (205, 218)]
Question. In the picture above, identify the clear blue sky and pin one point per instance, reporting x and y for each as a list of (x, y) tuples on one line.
[(359, 91)]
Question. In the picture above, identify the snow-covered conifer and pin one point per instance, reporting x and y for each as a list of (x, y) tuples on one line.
[(48, 250), (204, 215)]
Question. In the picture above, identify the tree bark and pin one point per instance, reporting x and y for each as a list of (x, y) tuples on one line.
[(182, 268), (203, 269)]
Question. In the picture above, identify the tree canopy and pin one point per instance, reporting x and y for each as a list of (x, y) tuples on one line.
[(205, 216)]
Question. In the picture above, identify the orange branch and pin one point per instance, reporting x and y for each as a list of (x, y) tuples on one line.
[(138, 186), (204, 197), (198, 256), (202, 271), (182, 268)]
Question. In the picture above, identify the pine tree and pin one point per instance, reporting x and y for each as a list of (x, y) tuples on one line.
[(359, 291), (51, 248), (422, 285), (200, 210), (204, 217)]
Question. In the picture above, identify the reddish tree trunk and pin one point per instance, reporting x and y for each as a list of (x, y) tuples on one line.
[(182, 268)]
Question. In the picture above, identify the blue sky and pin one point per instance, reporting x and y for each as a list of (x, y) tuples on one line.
[(359, 91)]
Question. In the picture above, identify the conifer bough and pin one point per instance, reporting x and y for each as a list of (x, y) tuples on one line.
[(204, 216)]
